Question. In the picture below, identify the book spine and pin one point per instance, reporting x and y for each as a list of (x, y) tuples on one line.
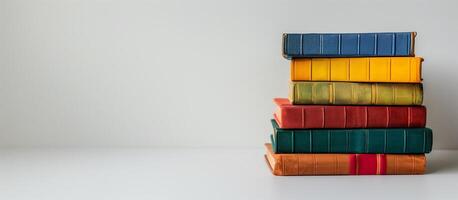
[(396, 140), (405, 164), (375, 69), (348, 44), (295, 117), (313, 164), (345, 164), (343, 93)]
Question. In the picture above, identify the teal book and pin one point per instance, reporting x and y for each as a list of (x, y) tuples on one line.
[(393, 140)]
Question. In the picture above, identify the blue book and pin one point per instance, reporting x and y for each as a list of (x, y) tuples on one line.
[(297, 45)]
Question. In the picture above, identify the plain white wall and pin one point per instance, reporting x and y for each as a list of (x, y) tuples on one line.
[(187, 73)]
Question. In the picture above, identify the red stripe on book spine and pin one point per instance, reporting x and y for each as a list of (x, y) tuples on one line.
[(367, 164), (352, 161), (382, 164)]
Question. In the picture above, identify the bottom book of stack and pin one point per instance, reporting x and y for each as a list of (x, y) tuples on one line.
[(344, 164)]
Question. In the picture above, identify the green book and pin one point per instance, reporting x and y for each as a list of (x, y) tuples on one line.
[(391, 140), (349, 93)]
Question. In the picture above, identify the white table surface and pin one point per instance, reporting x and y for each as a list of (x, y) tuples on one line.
[(200, 173)]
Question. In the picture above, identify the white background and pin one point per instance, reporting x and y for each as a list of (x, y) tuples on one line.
[(187, 73)]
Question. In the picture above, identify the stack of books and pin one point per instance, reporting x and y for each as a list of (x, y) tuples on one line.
[(354, 107)]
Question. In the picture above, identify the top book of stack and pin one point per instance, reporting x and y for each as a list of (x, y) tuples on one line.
[(348, 44)]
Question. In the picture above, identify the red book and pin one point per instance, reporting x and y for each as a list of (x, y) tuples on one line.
[(318, 116)]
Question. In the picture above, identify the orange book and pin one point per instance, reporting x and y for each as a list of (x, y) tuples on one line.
[(344, 164)]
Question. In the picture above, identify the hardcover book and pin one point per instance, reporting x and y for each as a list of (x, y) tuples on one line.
[(393, 140), (345, 93), (368, 69), (290, 116), (344, 164), (297, 45)]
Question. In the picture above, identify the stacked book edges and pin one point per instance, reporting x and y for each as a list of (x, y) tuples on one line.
[(354, 107)]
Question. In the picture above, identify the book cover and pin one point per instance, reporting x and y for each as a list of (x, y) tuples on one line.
[(349, 93), (296, 45), (290, 116), (344, 164), (367, 69), (392, 140)]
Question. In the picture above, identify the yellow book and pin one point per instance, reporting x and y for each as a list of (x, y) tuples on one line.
[(368, 69)]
